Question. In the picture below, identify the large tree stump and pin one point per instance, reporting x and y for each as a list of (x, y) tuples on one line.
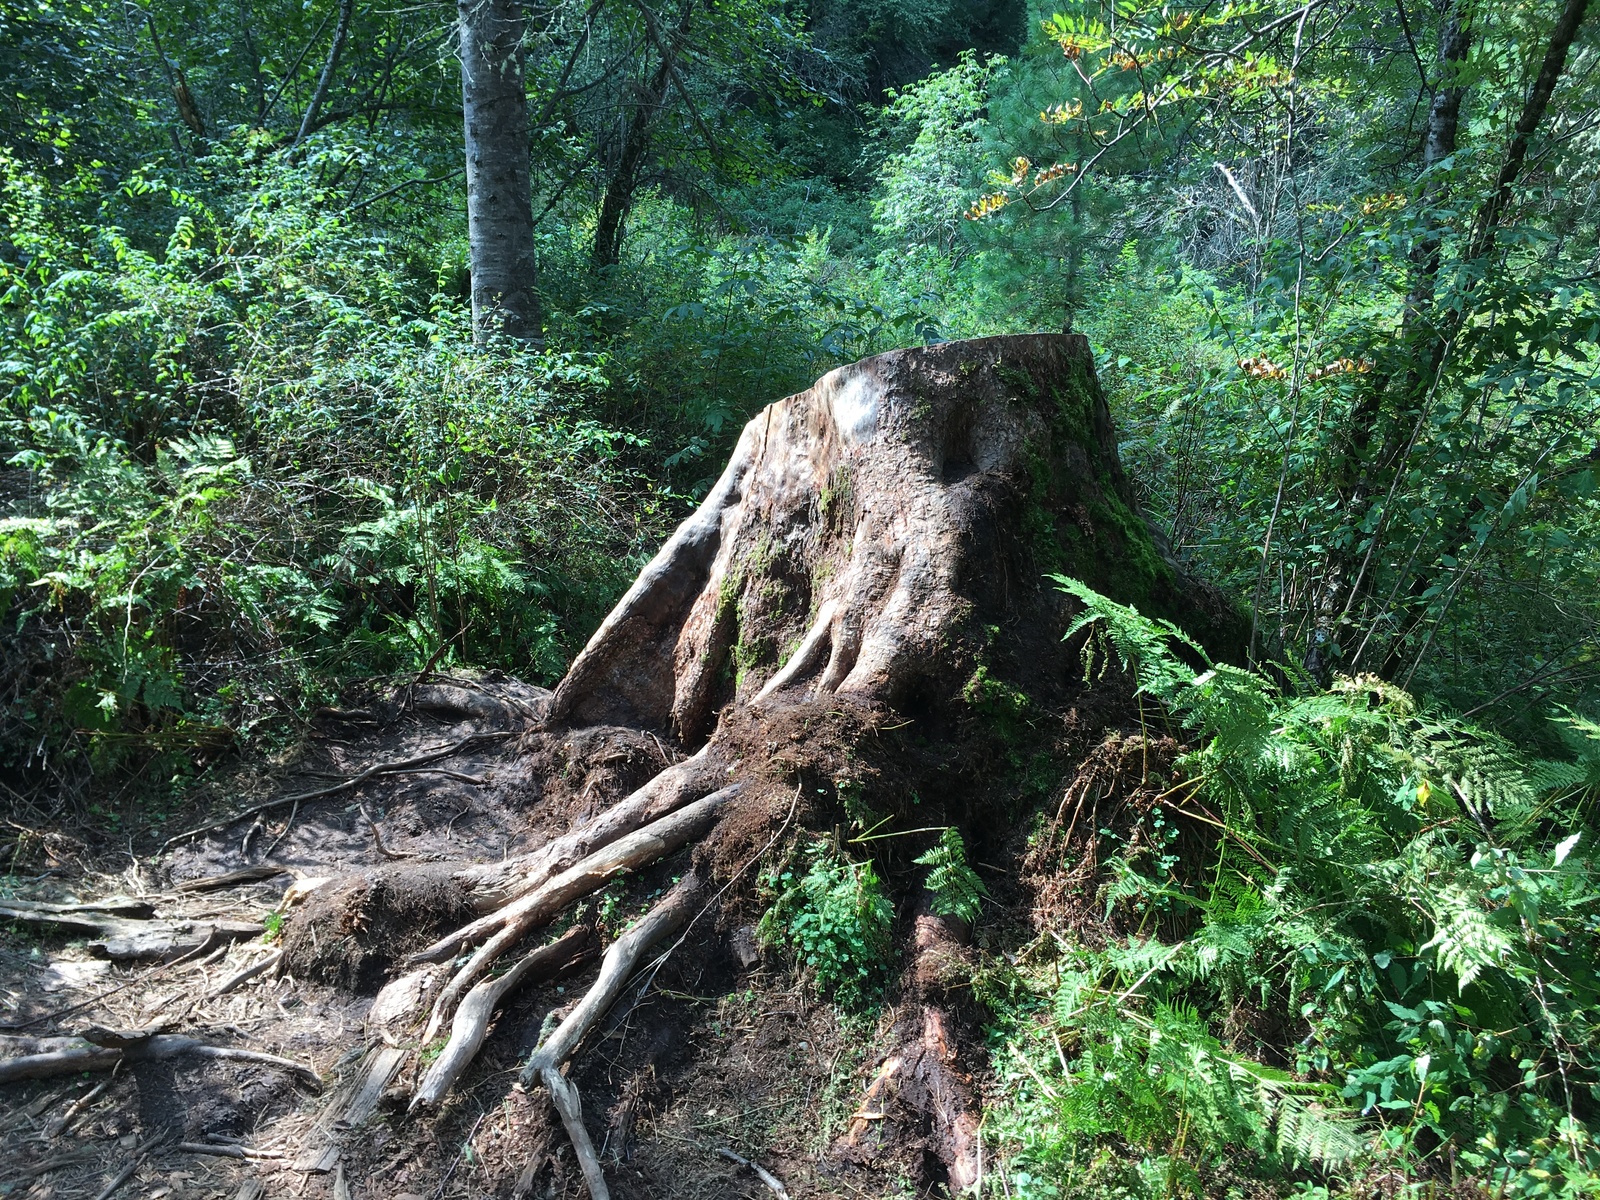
[(873, 556)]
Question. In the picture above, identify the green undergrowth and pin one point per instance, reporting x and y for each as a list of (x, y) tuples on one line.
[(833, 914), (248, 459), (1381, 966)]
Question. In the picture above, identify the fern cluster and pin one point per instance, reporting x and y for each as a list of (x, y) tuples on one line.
[(1406, 899)]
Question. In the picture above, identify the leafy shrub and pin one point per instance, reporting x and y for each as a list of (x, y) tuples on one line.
[(836, 918), (247, 465), (1400, 893)]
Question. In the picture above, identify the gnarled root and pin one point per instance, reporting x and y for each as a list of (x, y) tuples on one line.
[(565, 1097), (477, 1010), (665, 919), (631, 853), (924, 1074), (494, 885)]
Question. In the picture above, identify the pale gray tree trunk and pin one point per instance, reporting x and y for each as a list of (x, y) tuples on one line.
[(499, 191)]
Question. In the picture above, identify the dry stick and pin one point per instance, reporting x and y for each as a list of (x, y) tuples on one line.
[(212, 883), (615, 971), (245, 976), (565, 1097), (67, 1056), (472, 1018), (762, 1173), (140, 1153), (384, 768), (631, 853), (122, 1177), (213, 1149), (81, 1103)]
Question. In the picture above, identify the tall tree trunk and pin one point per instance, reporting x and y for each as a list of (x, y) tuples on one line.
[(319, 94), (499, 187), (1458, 540), (618, 198), (1533, 111)]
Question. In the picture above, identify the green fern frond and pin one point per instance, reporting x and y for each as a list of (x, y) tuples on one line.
[(957, 890), (1466, 940), (1143, 647)]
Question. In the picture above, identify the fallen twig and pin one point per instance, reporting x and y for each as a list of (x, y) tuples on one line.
[(372, 772), (215, 1150), (139, 1155), (284, 832), (212, 883), (121, 1178), (766, 1176), (64, 1122), (245, 976), (57, 1013)]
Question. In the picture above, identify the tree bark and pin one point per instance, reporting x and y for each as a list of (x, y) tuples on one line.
[(499, 185), (319, 94), (617, 200)]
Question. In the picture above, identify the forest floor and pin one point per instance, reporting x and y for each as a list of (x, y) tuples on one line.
[(721, 1049)]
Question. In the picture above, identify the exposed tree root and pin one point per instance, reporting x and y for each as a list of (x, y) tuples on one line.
[(493, 885), (616, 968), (344, 785), (477, 1010), (627, 854), (565, 1097)]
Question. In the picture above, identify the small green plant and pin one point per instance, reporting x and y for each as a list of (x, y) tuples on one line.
[(274, 927), (957, 890), (837, 920)]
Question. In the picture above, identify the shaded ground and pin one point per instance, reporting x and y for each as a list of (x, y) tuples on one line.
[(725, 1051)]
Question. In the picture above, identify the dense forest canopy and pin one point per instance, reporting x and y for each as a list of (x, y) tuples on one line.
[(1336, 261)]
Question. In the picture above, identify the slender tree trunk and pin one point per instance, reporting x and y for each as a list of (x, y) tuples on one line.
[(319, 94), (188, 111), (1458, 541), (258, 88), (1533, 111), (499, 187), (618, 198), (1356, 476)]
